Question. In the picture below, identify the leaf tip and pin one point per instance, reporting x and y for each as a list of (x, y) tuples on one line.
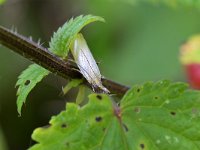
[(19, 112), (19, 108)]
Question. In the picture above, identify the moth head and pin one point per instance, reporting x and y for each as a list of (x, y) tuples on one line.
[(99, 88), (105, 90)]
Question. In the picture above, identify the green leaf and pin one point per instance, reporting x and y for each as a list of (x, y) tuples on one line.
[(81, 94), (61, 40), (73, 83), (27, 81), (155, 116)]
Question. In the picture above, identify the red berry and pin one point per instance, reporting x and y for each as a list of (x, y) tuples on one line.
[(190, 59), (193, 75)]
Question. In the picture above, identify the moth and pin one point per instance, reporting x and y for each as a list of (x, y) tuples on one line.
[(86, 64)]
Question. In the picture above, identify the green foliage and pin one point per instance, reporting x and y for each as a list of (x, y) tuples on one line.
[(81, 94), (59, 45), (2, 1), (173, 3), (160, 116), (176, 3), (71, 84), (74, 83), (61, 40), (27, 81)]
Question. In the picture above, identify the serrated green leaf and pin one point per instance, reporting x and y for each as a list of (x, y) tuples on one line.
[(61, 40), (155, 116), (27, 81)]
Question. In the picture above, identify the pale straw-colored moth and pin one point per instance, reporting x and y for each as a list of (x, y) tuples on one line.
[(86, 64)]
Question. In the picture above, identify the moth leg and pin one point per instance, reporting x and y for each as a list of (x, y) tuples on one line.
[(71, 61), (76, 69), (94, 88), (102, 77), (98, 62), (112, 94)]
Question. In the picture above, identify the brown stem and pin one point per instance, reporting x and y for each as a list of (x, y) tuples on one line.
[(40, 55)]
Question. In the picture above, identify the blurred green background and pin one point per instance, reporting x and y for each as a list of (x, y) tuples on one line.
[(138, 43)]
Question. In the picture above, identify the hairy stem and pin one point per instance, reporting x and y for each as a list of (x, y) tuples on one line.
[(40, 55)]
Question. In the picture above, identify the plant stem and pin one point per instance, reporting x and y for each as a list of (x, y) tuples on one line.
[(40, 55)]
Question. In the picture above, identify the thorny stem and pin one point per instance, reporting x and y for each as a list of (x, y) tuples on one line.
[(40, 55)]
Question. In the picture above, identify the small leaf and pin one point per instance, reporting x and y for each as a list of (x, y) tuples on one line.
[(61, 40), (155, 116), (81, 94), (73, 83), (27, 81)]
